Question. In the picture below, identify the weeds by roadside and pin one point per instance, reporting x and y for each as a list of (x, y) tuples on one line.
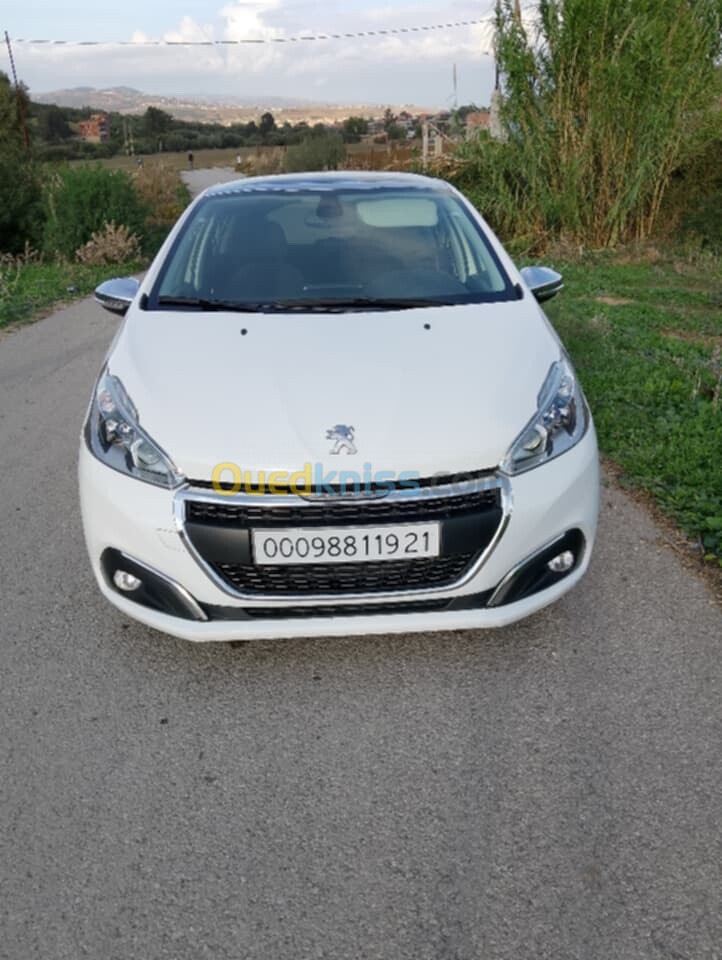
[(95, 246), (31, 288), (164, 195), (112, 244)]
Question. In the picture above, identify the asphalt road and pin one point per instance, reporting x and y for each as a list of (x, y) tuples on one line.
[(198, 180), (550, 790)]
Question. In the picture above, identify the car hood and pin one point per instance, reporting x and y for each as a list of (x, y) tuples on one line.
[(428, 391)]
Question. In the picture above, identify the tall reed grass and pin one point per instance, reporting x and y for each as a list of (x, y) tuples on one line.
[(603, 100)]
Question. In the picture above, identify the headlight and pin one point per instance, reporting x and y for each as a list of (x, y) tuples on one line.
[(560, 422), (115, 436)]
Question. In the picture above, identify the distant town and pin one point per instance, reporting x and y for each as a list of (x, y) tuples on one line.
[(84, 122), (96, 129)]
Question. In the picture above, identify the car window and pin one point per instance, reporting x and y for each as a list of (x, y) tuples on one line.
[(283, 247)]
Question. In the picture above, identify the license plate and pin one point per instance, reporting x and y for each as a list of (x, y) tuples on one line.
[(346, 544)]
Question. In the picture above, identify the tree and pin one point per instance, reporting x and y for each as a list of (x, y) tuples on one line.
[(266, 124), (52, 126), (14, 103), (464, 110), (599, 109), (396, 132), (156, 122), (354, 128), (390, 118), (20, 192)]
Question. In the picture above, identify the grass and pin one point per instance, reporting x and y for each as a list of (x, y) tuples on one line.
[(646, 339), (29, 289), (202, 159), (260, 158)]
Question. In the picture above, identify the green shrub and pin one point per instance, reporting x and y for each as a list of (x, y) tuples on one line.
[(21, 214), (698, 194), (81, 200), (704, 221)]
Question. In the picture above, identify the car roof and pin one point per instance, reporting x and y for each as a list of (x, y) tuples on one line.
[(329, 180)]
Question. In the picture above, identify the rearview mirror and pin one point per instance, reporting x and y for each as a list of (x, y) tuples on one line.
[(118, 294), (543, 282)]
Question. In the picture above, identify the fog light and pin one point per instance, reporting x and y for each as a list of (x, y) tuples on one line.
[(562, 563), (126, 581)]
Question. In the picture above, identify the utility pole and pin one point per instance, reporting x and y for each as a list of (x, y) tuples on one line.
[(128, 143), (496, 127), (18, 94)]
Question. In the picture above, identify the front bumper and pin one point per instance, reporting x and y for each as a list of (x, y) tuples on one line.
[(125, 517)]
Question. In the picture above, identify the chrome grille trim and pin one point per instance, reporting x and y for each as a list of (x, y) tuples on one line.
[(187, 493)]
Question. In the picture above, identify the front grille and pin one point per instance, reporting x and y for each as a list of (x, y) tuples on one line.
[(221, 533), (474, 601), (333, 511), (386, 576)]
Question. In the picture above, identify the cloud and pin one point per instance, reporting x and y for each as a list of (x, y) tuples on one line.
[(251, 20), (190, 31), (395, 67), (245, 20)]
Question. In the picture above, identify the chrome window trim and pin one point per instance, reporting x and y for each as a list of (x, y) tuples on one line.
[(183, 494)]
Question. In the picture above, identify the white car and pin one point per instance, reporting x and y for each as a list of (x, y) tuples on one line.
[(335, 407)]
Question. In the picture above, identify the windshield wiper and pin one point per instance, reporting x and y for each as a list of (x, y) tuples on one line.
[(331, 304), (206, 304), (324, 305)]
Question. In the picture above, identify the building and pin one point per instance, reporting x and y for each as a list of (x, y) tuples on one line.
[(95, 130), (476, 122)]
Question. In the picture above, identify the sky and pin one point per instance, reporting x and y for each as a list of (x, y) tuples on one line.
[(407, 69)]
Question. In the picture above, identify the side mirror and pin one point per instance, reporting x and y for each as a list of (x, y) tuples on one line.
[(543, 282), (118, 294)]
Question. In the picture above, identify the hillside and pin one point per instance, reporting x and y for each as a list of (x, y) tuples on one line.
[(208, 109)]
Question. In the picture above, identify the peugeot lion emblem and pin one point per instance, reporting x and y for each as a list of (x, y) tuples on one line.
[(343, 438)]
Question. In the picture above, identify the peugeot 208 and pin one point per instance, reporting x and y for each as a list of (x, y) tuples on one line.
[(335, 406)]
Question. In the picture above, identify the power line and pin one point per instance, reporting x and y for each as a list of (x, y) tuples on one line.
[(353, 35), (18, 94)]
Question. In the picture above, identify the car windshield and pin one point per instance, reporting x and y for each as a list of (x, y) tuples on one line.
[(329, 249)]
